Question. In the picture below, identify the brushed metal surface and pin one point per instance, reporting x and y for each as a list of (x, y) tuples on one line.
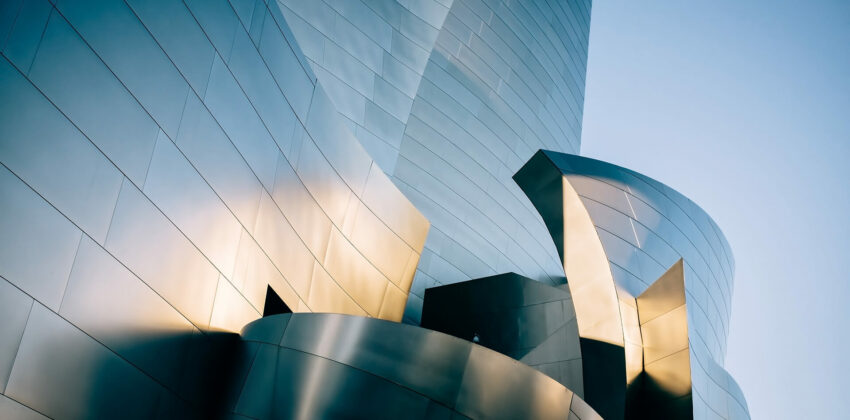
[(330, 365), (676, 330)]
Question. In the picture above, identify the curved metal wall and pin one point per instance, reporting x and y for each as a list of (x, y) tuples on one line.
[(451, 98), (332, 366), (369, 55), (521, 318), (162, 164), (644, 227), (504, 79)]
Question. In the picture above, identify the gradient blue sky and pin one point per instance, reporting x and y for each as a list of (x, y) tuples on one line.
[(744, 106)]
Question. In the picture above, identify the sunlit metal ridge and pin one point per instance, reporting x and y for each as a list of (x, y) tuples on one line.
[(650, 276)]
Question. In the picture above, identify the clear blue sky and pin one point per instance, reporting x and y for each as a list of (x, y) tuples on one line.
[(744, 106)]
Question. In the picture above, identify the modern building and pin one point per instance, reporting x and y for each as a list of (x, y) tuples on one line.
[(336, 208)]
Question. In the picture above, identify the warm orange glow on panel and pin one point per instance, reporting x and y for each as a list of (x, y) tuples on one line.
[(590, 280)]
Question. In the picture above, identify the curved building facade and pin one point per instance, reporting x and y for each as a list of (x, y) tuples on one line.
[(183, 164), (505, 78), (337, 366), (522, 318), (172, 171), (649, 272), (451, 98)]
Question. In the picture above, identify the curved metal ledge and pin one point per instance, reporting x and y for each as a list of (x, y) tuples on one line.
[(325, 365)]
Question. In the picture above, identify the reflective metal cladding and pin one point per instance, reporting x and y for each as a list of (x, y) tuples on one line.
[(527, 320), (329, 366), (170, 171), (650, 274), (183, 163), (451, 98)]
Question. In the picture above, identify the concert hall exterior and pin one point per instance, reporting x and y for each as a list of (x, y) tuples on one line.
[(336, 208)]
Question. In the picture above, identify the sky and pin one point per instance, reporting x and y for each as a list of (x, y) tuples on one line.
[(744, 107)]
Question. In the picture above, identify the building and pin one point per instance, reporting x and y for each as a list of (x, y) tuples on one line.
[(175, 173)]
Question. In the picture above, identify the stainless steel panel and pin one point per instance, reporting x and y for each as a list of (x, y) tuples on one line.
[(582, 410), (673, 372), (276, 14), (219, 22), (350, 103), (351, 39), (8, 13), (469, 85), (419, 31), (157, 256), (424, 361), (261, 89), (413, 309), (502, 79), (665, 295), (620, 252), (63, 373), (270, 331), (179, 35), (310, 41), (326, 295), (658, 337), (189, 202), (672, 318), (398, 74), (655, 246), (349, 44), (381, 246), (242, 361), (559, 346), (392, 306), (212, 154), (253, 15), (308, 386), (612, 221), (26, 32), (490, 392), (449, 210), (347, 69), (408, 52), (231, 311), (114, 32), (385, 155), (286, 69), (365, 19), (571, 372), (228, 104), (37, 244), (386, 126), (516, 316), (284, 247), (355, 274), (325, 185), (93, 99), (14, 311), (257, 394), (112, 305), (389, 204), (12, 409), (51, 155), (330, 365), (301, 209), (254, 273), (337, 144), (141, 235)]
